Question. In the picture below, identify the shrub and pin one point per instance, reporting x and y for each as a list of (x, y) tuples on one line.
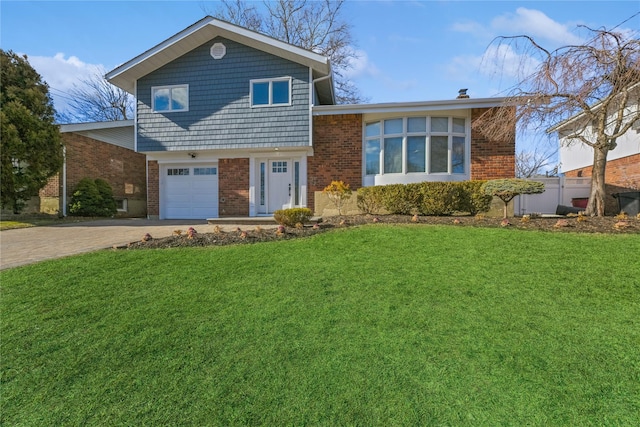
[(473, 199), (439, 198), (369, 200), (401, 199), (108, 202), (338, 192), (425, 198), (507, 189), (291, 217), (92, 198)]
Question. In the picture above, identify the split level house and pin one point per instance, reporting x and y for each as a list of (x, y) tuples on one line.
[(234, 123), (622, 173)]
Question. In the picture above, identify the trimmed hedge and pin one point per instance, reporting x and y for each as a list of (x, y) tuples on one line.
[(425, 198), (293, 216)]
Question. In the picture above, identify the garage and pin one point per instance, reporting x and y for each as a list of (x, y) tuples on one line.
[(189, 192)]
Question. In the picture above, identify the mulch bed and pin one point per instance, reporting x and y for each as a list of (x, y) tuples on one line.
[(604, 225)]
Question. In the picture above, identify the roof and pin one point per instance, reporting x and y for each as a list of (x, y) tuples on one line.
[(565, 123), (408, 107), (120, 132), (205, 30)]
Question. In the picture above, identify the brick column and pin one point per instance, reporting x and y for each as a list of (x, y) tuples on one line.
[(153, 189), (337, 153), (233, 187), (491, 159)]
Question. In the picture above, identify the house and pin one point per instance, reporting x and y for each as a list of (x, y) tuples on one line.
[(99, 150), (235, 123), (622, 173)]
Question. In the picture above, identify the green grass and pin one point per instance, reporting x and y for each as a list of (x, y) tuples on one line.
[(379, 325), (39, 220)]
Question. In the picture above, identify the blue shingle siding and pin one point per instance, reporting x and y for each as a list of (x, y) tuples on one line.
[(220, 114)]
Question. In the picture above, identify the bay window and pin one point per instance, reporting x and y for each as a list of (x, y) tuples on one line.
[(410, 145)]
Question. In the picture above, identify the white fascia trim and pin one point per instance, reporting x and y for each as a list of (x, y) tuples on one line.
[(158, 48), (311, 102), (135, 117), (79, 127), (408, 107), (232, 32)]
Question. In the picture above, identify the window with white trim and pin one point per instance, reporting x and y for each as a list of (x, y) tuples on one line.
[(405, 145), (268, 92), (170, 98)]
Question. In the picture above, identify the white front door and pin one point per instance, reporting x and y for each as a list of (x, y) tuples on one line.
[(280, 184)]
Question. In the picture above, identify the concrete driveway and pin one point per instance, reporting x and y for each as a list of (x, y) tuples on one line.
[(28, 245)]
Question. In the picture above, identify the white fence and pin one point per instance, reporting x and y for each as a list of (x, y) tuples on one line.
[(557, 191)]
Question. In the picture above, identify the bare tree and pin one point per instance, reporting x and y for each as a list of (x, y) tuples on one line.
[(592, 89), (94, 99), (532, 162), (315, 25)]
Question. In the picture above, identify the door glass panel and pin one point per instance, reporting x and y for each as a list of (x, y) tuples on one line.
[(296, 180), (262, 182)]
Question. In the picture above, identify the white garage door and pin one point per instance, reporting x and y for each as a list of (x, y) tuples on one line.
[(190, 192)]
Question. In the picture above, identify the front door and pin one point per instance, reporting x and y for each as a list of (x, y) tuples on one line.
[(280, 185)]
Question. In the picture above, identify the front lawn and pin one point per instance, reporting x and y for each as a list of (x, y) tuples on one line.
[(375, 325)]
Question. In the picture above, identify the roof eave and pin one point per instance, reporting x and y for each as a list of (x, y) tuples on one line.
[(396, 107), (125, 75)]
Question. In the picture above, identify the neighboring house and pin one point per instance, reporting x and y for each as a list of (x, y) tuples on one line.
[(235, 123), (99, 150), (623, 163)]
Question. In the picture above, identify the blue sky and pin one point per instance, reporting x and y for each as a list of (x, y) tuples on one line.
[(408, 50)]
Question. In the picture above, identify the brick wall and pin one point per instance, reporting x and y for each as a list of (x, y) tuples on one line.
[(153, 189), (337, 153), (52, 189), (621, 175), (233, 187), (122, 168), (491, 159)]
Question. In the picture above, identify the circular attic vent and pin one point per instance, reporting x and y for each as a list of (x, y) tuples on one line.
[(218, 50)]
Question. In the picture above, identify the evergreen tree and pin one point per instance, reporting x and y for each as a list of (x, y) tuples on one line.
[(30, 142)]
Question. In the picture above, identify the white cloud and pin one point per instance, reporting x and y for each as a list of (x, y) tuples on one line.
[(61, 74), (504, 61), (523, 21), (361, 66), (536, 24)]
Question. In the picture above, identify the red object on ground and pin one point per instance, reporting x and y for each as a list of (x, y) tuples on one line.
[(580, 202)]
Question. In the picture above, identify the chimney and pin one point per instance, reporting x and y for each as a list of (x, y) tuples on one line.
[(462, 94)]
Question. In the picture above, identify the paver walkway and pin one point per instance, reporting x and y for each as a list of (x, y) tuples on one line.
[(28, 245)]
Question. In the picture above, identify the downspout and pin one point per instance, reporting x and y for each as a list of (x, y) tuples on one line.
[(64, 181)]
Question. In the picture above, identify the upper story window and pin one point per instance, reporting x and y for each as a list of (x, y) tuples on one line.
[(170, 98), (431, 145), (267, 92)]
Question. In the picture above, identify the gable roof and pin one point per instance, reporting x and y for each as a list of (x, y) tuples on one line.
[(125, 75)]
